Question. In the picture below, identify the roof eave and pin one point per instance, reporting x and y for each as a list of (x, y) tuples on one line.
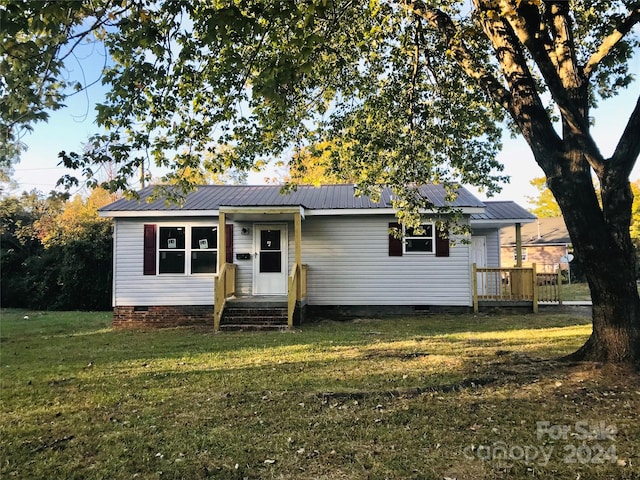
[(157, 213), (268, 210), (501, 222)]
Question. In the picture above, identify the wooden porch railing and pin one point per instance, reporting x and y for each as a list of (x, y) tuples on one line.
[(224, 287), (516, 284), (297, 290), (505, 285), (550, 287)]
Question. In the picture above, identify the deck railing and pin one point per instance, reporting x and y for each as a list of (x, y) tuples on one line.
[(224, 287), (505, 285), (549, 287), (515, 285), (297, 290)]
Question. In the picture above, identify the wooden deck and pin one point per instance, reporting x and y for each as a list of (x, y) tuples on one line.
[(516, 286)]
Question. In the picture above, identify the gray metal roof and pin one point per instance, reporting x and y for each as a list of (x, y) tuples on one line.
[(504, 210), (325, 197)]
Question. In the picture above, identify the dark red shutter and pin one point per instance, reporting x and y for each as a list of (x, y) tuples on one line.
[(149, 250), (442, 243), (395, 243), (228, 232)]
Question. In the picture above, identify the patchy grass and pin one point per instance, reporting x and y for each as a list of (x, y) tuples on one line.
[(578, 291), (575, 291), (425, 398)]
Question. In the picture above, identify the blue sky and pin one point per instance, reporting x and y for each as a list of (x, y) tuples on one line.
[(68, 128)]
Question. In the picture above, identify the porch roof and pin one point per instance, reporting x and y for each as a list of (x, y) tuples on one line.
[(499, 214)]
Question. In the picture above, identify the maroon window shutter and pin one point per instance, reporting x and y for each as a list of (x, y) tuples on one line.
[(395, 243), (228, 232), (149, 250), (442, 243)]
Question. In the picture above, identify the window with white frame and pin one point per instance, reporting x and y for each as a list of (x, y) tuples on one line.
[(420, 240), (204, 249), (187, 249)]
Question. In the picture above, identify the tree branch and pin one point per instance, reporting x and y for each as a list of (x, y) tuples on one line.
[(530, 114), (628, 149), (558, 66), (612, 40), (566, 63), (101, 19), (442, 22)]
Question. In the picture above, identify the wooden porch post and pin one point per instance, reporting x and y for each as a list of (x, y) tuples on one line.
[(534, 273), (222, 241), (297, 221), (220, 281), (474, 272), (518, 245), (297, 227), (559, 285)]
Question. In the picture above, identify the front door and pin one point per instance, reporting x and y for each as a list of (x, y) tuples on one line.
[(479, 257), (270, 259)]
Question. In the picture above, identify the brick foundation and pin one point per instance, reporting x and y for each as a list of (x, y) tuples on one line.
[(163, 316)]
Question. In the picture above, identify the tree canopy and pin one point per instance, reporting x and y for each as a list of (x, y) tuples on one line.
[(544, 205), (406, 91), (55, 253), (258, 78)]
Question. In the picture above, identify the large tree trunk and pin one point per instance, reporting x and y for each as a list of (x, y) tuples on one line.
[(602, 243), (600, 235), (599, 231)]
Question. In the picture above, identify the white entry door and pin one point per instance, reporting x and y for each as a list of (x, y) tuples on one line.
[(479, 257), (270, 259)]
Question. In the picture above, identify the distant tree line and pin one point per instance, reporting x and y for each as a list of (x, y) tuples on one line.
[(55, 252)]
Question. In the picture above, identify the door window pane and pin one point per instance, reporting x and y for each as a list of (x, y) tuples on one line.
[(270, 240), (270, 262)]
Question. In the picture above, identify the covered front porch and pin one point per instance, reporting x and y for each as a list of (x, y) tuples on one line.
[(494, 285), (278, 280)]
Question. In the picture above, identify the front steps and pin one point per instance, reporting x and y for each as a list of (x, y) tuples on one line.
[(255, 313)]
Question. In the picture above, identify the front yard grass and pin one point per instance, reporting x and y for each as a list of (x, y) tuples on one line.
[(432, 397), (578, 291), (575, 291)]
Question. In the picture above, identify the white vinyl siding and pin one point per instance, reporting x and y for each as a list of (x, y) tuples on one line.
[(349, 264), (244, 268), (131, 287)]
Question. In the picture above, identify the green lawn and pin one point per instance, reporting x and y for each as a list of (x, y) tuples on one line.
[(575, 291), (442, 396), (578, 291)]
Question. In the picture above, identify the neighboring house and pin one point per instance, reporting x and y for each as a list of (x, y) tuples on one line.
[(544, 242), (166, 256)]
